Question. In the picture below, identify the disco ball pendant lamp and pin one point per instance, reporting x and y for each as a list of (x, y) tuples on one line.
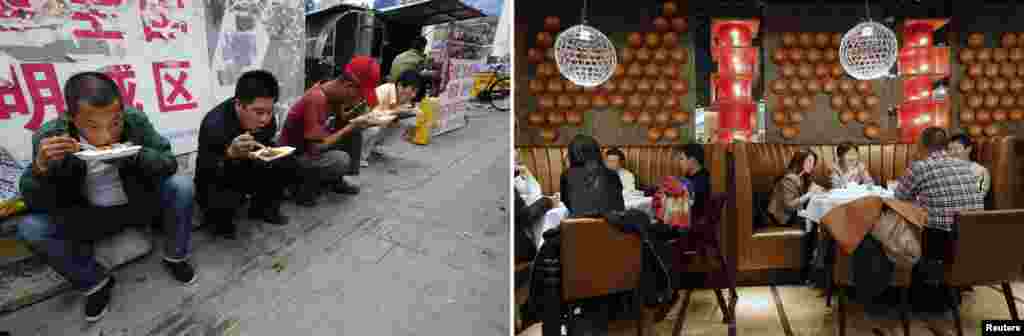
[(584, 55), (868, 50)]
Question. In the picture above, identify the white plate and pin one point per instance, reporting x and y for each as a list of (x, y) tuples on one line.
[(114, 153), (283, 151)]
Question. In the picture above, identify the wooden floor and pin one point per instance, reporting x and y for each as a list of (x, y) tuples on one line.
[(797, 310)]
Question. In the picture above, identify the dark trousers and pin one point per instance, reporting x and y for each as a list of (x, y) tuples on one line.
[(353, 145), (932, 296), (69, 250), (263, 181)]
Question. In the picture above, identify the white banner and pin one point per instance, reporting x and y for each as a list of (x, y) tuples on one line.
[(452, 111), (156, 50)]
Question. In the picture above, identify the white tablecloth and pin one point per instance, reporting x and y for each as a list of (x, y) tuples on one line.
[(820, 205)]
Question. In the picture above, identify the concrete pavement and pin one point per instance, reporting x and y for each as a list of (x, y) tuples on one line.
[(423, 250)]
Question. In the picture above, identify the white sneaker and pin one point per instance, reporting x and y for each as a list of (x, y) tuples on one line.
[(364, 163)]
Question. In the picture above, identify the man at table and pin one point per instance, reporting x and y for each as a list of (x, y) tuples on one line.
[(944, 185), (615, 160), (690, 158), (226, 170)]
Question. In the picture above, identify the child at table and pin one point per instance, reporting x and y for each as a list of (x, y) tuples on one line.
[(790, 194)]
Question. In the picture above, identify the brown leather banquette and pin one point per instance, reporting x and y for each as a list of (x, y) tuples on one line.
[(648, 163), (757, 165)]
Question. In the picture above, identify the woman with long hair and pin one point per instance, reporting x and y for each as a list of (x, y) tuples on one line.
[(790, 194), (589, 188), (848, 167)]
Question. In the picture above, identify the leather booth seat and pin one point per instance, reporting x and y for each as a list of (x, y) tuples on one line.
[(757, 165), (648, 163)]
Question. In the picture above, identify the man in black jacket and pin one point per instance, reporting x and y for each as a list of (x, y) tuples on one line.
[(691, 159), (75, 202), (226, 169)]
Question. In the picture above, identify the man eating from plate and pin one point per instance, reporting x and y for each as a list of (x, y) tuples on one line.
[(227, 168), (310, 129), (76, 201)]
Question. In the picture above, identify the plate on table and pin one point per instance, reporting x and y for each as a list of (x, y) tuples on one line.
[(116, 151), (273, 153)]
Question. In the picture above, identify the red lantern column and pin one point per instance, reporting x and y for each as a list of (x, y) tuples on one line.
[(737, 68), (921, 66)]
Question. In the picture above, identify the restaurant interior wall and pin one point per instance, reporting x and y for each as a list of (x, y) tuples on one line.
[(616, 21)]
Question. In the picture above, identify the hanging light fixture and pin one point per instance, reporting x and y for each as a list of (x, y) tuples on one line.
[(868, 50), (584, 55)]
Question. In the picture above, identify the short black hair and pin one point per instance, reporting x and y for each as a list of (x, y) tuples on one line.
[(92, 88), (693, 151), (408, 78), (616, 152), (843, 149), (256, 84), (419, 43), (966, 141), (934, 139)]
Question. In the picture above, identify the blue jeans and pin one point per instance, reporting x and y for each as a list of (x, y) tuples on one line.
[(74, 259)]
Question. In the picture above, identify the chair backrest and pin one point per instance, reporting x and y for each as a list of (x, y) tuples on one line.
[(598, 259), (710, 225), (986, 249)]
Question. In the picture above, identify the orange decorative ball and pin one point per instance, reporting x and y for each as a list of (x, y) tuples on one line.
[(661, 24), (846, 117), (545, 40), (679, 24), (654, 134), (636, 40), (872, 132), (790, 132), (552, 24), (669, 9), (628, 117), (680, 117)]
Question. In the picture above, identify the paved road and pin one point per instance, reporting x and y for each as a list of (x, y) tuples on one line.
[(422, 251)]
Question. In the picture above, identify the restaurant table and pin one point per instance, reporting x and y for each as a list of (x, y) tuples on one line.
[(819, 205)]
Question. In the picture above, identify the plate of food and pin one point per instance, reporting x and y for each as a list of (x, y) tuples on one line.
[(273, 153), (103, 153)]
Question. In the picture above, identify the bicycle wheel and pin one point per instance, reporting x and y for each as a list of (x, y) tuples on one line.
[(500, 94)]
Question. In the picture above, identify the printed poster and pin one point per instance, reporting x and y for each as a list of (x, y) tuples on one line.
[(154, 49)]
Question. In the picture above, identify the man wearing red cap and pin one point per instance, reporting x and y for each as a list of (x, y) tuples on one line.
[(318, 140)]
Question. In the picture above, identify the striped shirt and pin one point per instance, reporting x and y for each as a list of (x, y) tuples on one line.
[(944, 185)]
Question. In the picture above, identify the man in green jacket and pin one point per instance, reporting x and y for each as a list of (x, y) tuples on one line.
[(74, 202), (412, 59)]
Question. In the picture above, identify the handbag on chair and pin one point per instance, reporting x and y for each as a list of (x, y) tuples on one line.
[(672, 202)]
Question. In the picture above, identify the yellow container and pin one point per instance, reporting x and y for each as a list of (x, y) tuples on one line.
[(480, 82), (425, 121)]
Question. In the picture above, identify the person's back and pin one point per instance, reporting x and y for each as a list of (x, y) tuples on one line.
[(411, 59), (944, 185), (588, 187), (595, 195)]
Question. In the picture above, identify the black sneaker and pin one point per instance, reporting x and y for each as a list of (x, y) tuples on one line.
[(343, 187), (181, 271), (96, 303)]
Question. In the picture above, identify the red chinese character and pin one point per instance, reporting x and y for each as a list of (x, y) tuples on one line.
[(11, 97), (94, 17), (124, 75), (174, 73), (44, 88), (160, 27), (16, 9)]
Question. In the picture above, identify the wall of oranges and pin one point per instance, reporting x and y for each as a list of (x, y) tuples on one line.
[(647, 100), (990, 83)]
